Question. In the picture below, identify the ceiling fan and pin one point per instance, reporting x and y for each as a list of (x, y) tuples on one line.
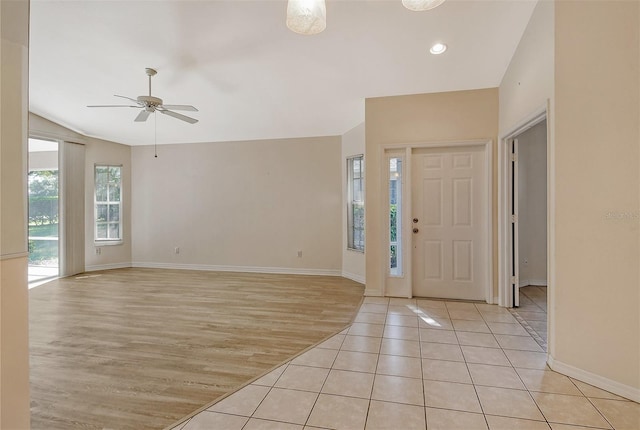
[(150, 104)]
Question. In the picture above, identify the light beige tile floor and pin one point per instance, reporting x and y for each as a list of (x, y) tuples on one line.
[(532, 313), (422, 364)]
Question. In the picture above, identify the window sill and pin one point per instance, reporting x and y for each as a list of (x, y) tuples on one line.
[(107, 242), (359, 251)]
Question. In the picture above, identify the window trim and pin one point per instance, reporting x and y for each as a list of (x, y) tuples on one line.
[(107, 241), (351, 246)]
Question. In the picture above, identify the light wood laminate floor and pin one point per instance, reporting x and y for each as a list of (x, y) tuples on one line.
[(141, 348)]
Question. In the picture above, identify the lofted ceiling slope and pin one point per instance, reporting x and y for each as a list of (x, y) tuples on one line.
[(249, 76)]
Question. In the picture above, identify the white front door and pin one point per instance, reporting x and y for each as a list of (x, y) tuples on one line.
[(450, 226)]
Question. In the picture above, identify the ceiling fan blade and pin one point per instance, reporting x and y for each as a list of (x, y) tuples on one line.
[(128, 98), (180, 107), (179, 116), (115, 106), (142, 116)]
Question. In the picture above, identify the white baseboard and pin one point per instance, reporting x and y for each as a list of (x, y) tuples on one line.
[(353, 277), (601, 382), (245, 269), (532, 282), (369, 292), (107, 267)]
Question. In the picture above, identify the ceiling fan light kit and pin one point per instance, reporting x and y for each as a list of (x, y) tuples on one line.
[(310, 16), (421, 5), (150, 104), (307, 16)]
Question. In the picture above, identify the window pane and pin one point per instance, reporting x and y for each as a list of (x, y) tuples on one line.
[(114, 212), (358, 239), (358, 217), (114, 231), (102, 175), (101, 192), (357, 190), (108, 202), (101, 213), (395, 217), (393, 223), (394, 256), (101, 231), (355, 203), (114, 193), (114, 173)]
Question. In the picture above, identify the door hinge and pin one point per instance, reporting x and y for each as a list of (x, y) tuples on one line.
[(514, 218), (514, 157), (513, 280)]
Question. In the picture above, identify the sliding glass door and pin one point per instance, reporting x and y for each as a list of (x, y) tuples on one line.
[(44, 214)]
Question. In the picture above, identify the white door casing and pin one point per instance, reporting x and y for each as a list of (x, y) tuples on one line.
[(506, 293), (513, 233), (450, 200)]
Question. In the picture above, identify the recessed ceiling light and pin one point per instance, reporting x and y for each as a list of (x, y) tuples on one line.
[(438, 48)]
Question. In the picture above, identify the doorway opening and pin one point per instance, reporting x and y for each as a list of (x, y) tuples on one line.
[(532, 227), (44, 214), (524, 255)]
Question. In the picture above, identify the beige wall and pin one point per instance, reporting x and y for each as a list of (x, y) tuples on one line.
[(353, 262), (597, 98), (451, 116), (14, 322), (239, 206), (526, 90), (528, 81), (96, 151), (532, 205)]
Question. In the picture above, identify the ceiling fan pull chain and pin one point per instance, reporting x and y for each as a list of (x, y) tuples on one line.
[(155, 133)]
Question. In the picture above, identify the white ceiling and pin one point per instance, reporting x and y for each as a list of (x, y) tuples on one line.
[(249, 76)]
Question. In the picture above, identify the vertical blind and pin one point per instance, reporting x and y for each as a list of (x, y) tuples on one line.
[(72, 180)]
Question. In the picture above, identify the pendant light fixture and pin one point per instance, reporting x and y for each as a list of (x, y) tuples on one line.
[(307, 16), (420, 5)]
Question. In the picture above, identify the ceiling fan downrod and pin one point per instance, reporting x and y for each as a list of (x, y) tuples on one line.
[(150, 72)]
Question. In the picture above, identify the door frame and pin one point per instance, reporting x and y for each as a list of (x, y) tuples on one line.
[(505, 257), (408, 148)]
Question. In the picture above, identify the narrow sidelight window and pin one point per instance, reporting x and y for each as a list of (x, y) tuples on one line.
[(355, 203), (395, 216), (108, 203)]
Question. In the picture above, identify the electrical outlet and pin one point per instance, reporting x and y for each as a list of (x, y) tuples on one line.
[(176, 250), (98, 251), (299, 254)]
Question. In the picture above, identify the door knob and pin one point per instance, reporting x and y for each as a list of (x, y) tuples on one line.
[(415, 230), (415, 220)]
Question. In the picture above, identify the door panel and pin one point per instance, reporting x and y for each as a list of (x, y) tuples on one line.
[(450, 202), (432, 212), (433, 260), (462, 202), (462, 260)]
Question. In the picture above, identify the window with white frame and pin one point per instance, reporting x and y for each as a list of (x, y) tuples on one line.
[(355, 203), (395, 216), (108, 203)]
